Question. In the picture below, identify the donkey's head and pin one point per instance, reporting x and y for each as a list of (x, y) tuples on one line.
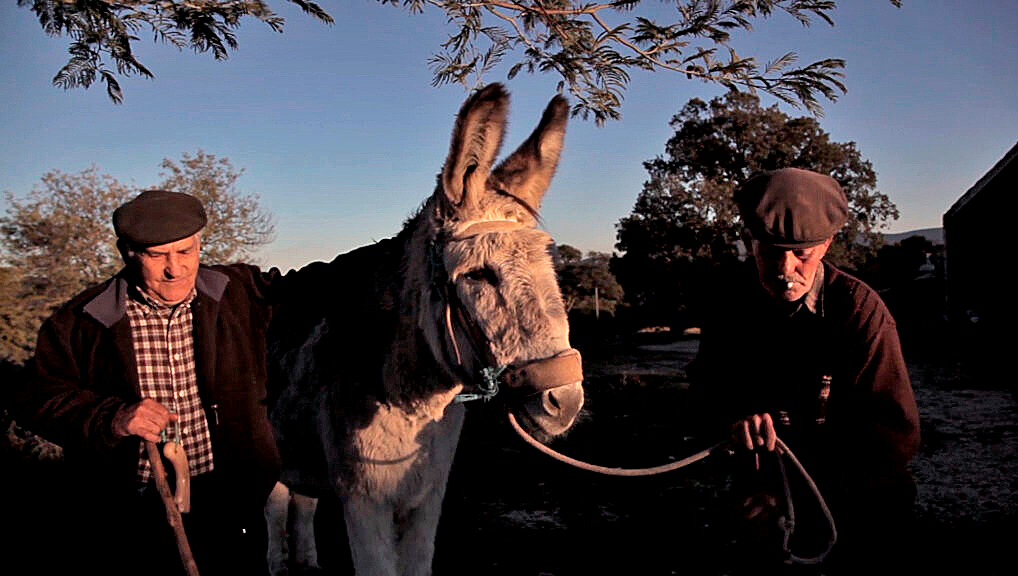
[(497, 301)]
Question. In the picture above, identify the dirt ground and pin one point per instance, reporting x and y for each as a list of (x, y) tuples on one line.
[(511, 510)]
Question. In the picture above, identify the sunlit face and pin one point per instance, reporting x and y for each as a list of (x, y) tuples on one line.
[(787, 275), (168, 271)]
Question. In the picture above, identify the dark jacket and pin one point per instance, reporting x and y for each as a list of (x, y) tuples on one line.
[(858, 441), (84, 371)]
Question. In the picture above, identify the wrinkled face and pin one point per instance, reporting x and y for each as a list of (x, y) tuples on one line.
[(787, 275), (168, 271), (507, 284)]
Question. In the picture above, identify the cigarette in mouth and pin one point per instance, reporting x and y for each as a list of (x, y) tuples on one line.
[(789, 285)]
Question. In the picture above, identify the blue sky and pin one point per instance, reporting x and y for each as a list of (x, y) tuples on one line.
[(341, 134)]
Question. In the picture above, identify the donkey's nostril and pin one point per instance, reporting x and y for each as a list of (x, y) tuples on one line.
[(553, 399), (551, 403)]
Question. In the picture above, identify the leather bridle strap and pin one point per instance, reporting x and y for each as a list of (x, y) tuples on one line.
[(484, 226), (527, 378), (537, 376), (456, 317)]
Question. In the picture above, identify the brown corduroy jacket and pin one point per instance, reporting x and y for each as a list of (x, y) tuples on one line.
[(856, 437), (84, 371)]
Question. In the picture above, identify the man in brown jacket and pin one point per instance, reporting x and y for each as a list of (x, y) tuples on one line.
[(801, 351), (166, 350)]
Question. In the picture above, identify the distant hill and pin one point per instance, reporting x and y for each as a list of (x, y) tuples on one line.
[(935, 235)]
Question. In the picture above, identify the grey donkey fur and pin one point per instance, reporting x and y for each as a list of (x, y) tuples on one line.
[(366, 380)]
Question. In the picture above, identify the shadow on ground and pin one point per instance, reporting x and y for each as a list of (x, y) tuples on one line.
[(512, 511)]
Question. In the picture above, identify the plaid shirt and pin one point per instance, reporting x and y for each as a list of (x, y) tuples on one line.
[(163, 343)]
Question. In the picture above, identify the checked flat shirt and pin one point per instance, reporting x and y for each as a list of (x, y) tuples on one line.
[(163, 343)]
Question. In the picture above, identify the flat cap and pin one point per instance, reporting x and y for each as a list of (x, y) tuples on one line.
[(158, 217), (792, 207)]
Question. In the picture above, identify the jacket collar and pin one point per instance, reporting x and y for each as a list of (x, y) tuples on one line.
[(110, 305), (814, 299)]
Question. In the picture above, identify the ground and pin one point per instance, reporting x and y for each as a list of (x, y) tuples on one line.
[(510, 510)]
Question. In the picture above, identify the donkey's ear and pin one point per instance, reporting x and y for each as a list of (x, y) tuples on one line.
[(476, 139), (527, 173)]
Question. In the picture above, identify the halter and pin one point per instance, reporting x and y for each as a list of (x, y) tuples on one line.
[(525, 378), (565, 368)]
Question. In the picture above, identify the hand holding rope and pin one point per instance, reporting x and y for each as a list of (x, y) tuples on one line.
[(781, 448)]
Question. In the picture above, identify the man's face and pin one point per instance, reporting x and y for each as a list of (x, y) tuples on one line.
[(168, 271), (787, 275)]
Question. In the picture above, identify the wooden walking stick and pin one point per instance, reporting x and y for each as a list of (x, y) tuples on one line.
[(172, 511)]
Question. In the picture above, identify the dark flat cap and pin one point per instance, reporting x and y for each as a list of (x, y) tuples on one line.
[(791, 207), (158, 217)]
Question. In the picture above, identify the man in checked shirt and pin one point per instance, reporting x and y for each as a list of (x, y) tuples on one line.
[(167, 346)]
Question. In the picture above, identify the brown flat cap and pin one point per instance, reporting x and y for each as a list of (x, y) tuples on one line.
[(792, 207), (158, 217)]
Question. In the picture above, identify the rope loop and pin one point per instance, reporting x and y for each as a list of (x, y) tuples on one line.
[(782, 451)]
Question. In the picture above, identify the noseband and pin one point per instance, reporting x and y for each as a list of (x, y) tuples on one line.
[(524, 379)]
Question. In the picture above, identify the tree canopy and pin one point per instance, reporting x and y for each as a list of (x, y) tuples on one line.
[(896, 265), (237, 223), (685, 218), (587, 284), (58, 239), (593, 47), (104, 29)]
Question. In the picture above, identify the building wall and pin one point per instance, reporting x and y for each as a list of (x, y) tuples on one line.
[(979, 234)]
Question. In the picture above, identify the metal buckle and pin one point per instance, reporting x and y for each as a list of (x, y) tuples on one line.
[(488, 385)]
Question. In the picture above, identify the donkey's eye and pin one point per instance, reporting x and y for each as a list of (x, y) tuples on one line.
[(482, 274)]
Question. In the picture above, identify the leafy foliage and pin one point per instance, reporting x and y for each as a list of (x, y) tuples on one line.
[(237, 223), (896, 265), (58, 239), (587, 284), (56, 242), (101, 29), (593, 47), (685, 222)]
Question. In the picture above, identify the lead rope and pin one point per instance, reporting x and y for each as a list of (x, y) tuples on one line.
[(782, 448), (604, 469)]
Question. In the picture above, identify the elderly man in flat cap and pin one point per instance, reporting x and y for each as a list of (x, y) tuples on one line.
[(167, 346), (802, 351)]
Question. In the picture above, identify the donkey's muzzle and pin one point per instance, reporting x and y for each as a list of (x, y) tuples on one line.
[(546, 374), (550, 390)]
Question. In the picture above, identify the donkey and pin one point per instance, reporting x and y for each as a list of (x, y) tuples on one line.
[(462, 300)]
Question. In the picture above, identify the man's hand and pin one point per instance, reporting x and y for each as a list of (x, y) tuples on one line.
[(755, 431), (146, 419)]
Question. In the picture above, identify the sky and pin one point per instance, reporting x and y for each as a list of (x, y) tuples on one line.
[(340, 132)]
